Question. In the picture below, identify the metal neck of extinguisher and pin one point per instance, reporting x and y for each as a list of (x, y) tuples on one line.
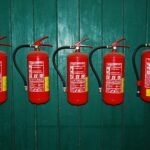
[(36, 46), (4, 44), (75, 46), (135, 67), (113, 46)]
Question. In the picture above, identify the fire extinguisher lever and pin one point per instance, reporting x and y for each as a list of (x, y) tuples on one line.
[(116, 44), (39, 43), (4, 44), (88, 46), (78, 44), (135, 67)]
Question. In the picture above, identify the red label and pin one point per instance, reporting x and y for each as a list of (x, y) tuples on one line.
[(36, 76), (0, 76), (114, 78), (147, 73), (78, 77)]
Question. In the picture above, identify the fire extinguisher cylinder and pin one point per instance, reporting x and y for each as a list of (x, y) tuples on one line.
[(77, 74), (38, 72), (113, 73), (143, 84), (3, 73)]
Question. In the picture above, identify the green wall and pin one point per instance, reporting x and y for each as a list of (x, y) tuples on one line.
[(58, 125)]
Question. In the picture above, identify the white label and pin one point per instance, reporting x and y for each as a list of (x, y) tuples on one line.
[(147, 73), (0, 76), (114, 78), (77, 77), (36, 76)]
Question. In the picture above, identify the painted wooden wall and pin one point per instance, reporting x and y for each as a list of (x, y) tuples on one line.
[(58, 125)]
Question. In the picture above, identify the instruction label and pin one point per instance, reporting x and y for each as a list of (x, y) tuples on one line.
[(36, 76), (78, 78), (114, 79), (0, 76), (147, 73)]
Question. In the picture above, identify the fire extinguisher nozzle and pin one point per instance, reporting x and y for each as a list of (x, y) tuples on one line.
[(138, 93), (109, 46), (26, 88), (147, 44), (65, 89), (100, 89)]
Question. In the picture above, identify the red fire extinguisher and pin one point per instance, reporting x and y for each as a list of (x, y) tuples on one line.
[(3, 73), (77, 74), (38, 72), (143, 84), (113, 73)]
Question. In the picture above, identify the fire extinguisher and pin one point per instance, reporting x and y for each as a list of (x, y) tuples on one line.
[(3, 73), (143, 84), (77, 74), (38, 72), (113, 73)]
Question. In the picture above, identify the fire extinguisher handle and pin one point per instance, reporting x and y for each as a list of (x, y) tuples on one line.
[(86, 46), (92, 66), (4, 44), (134, 64), (39, 43), (17, 66), (56, 66), (78, 44), (116, 43)]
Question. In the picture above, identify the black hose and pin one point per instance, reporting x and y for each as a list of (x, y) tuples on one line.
[(91, 64), (16, 65), (134, 62), (56, 66), (134, 65)]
